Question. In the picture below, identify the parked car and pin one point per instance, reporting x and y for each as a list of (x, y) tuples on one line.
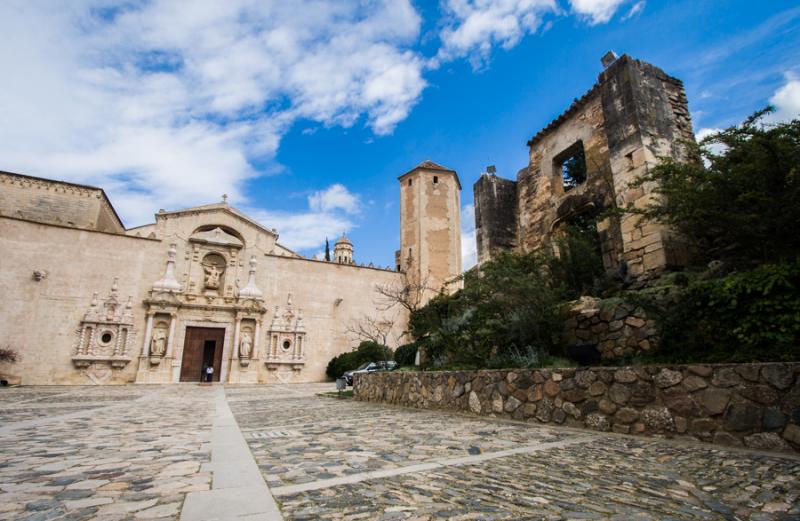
[(369, 367)]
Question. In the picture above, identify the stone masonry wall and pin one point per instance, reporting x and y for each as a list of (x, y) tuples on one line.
[(752, 405), (613, 330)]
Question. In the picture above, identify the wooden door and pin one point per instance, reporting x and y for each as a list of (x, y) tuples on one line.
[(196, 346)]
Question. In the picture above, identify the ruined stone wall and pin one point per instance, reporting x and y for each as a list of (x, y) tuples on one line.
[(752, 405), (495, 215), (54, 202), (633, 115)]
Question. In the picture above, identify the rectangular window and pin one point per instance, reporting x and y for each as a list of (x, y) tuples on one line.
[(571, 164), (435, 179), (409, 182)]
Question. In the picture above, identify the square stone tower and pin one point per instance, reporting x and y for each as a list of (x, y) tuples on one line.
[(430, 226)]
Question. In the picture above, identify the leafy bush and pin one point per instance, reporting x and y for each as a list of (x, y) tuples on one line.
[(510, 303), (8, 355), (365, 352), (406, 354), (740, 206), (747, 316)]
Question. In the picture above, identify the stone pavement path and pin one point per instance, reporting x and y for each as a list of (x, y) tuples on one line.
[(340, 459), (181, 452)]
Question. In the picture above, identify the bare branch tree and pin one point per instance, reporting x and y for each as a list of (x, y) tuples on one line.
[(8, 355), (408, 293), (372, 329)]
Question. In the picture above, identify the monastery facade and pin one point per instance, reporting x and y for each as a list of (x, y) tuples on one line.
[(88, 301)]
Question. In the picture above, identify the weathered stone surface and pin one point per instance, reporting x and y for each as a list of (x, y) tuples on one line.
[(497, 402), (668, 378), (766, 441), (713, 400), (700, 370), (598, 422), (694, 383), (607, 406), (626, 415), (773, 418), (682, 404), (559, 416), (762, 394), (726, 377), (748, 372), (512, 404), (780, 376), (703, 425), (529, 410), (642, 394), (571, 409), (474, 402), (544, 409), (742, 416), (597, 388), (625, 376), (619, 394), (551, 388), (535, 393), (584, 379), (725, 438), (658, 419), (792, 433), (574, 395)]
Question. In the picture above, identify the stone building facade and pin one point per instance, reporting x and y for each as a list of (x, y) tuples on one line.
[(89, 301), (583, 163)]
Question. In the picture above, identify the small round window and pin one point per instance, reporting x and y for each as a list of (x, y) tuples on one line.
[(286, 345), (106, 337)]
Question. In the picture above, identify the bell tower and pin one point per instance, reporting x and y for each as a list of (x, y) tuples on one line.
[(430, 226)]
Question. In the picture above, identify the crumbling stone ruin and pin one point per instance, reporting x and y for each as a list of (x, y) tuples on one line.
[(582, 164)]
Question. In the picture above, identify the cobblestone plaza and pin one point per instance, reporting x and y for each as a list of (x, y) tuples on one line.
[(282, 451)]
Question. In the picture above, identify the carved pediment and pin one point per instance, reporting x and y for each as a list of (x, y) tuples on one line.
[(217, 237)]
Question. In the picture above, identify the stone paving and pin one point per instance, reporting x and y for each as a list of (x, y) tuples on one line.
[(115, 453), (122, 453)]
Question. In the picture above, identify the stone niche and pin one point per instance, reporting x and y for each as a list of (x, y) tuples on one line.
[(214, 261), (106, 332)]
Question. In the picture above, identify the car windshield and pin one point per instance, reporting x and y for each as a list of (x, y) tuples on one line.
[(364, 366)]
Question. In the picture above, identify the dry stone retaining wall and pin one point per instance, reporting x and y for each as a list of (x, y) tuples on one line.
[(752, 405)]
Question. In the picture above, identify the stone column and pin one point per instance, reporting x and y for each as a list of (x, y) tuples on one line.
[(148, 334), (237, 327), (173, 317), (256, 342)]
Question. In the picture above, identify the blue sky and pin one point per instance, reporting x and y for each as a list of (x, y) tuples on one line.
[(306, 112)]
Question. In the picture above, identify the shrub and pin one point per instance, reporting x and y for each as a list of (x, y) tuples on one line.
[(747, 316), (365, 352), (8, 355), (740, 206), (510, 303), (406, 354)]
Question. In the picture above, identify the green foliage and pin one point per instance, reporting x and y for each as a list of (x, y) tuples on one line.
[(579, 264), (406, 354), (740, 205), (510, 304), (365, 352), (747, 316)]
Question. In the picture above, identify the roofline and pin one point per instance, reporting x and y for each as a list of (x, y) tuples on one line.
[(445, 170), (89, 187), (224, 207)]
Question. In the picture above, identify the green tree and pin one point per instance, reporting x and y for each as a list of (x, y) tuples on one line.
[(741, 204)]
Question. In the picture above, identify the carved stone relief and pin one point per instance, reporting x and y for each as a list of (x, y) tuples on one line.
[(286, 336), (106, 332)]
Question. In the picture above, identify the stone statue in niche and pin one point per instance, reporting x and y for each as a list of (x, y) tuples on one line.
[(212, 276), (245, 345), (158, 344)]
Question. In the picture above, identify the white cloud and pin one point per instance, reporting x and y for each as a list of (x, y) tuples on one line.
[(476, 26), (714, 148), (786, 101), (335, 197), (469, 246), (169, 106), (636, 9), (596, 11)]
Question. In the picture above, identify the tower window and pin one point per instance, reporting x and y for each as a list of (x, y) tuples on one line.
[(571, 164), (409, 182), (435, 179)]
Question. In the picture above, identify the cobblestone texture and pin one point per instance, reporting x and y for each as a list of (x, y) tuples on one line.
[(135, 453), (600, 476), (125, 453)]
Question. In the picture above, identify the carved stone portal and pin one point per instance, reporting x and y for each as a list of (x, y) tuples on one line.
[(105, 333), (287, 336)]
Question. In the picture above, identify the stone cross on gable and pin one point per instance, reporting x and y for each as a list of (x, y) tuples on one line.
[(225, 198)]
